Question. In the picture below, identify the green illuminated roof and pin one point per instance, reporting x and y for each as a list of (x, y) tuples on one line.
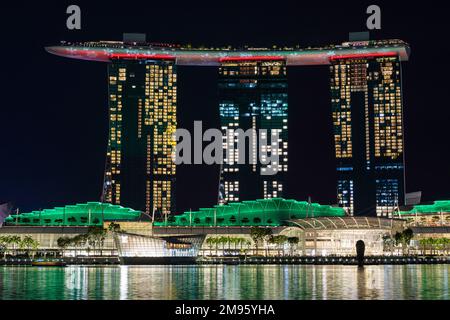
[(436, 207), (267, 212), (86, 214)]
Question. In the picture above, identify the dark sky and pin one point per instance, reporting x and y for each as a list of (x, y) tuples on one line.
[(53, 111)]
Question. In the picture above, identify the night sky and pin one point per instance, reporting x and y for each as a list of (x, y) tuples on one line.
[(53, 110)]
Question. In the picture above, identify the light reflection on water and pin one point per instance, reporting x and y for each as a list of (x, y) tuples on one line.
[(291, 282)]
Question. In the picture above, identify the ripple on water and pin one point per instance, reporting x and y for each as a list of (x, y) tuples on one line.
[(265, 282)]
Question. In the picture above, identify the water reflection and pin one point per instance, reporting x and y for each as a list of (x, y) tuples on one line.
[(226, 282)]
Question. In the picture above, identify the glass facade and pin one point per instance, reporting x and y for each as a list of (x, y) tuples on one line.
[(132, 245), (253, 95), (367, 109), (140, 172)]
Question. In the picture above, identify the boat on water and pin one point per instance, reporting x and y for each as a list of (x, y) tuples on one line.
[(149, 250), (48, 263)]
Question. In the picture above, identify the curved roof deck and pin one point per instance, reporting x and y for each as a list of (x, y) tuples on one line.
[(437, 207), (343, 223), (84, 214), (107, 51), (261, 212)]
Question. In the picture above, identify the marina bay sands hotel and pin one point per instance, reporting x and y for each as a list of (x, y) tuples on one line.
[(366, 108)]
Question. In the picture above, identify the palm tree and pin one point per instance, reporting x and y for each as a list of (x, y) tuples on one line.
[(210, 243), (79, 241), (241, 242), (407, 235), (279, 241), (388, 242), (223, 241), (422, 245), (63, 243), (29, 244), (431, 244), (230, 241), (216, 243), (256, 235), (398, 238), (446, 243), (247, 243), (3, 245), (273, 240), (238, 242), (293, 241), (22, 245), (267, 235), (6, 241), (15, 241), (96, 238), (260, 234)]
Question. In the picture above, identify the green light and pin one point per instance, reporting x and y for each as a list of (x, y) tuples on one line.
[(262, 212), (87, 214), (436, 207)]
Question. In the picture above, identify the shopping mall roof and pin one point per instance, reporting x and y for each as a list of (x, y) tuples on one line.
[(262, 212), (107, 51), (336, 223), (86, 214), (442, 206)]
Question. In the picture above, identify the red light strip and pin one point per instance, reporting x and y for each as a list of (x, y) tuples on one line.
[(364, 55), (141, 56), (251, 58)]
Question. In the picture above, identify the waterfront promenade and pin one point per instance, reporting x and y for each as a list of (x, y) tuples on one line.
[(249, 260)]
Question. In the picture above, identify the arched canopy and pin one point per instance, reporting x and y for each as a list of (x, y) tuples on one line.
[(262, 212), (85, 214)]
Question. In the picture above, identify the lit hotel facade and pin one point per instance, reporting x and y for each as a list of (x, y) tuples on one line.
[(367, 114), (367, 110), (253, 95), (139, 171)]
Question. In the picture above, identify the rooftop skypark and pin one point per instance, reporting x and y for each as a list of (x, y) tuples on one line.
[(107, 51)]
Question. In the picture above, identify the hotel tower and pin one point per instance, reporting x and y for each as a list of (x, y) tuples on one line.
[(367, 109), (140, 173), (253, 95)]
